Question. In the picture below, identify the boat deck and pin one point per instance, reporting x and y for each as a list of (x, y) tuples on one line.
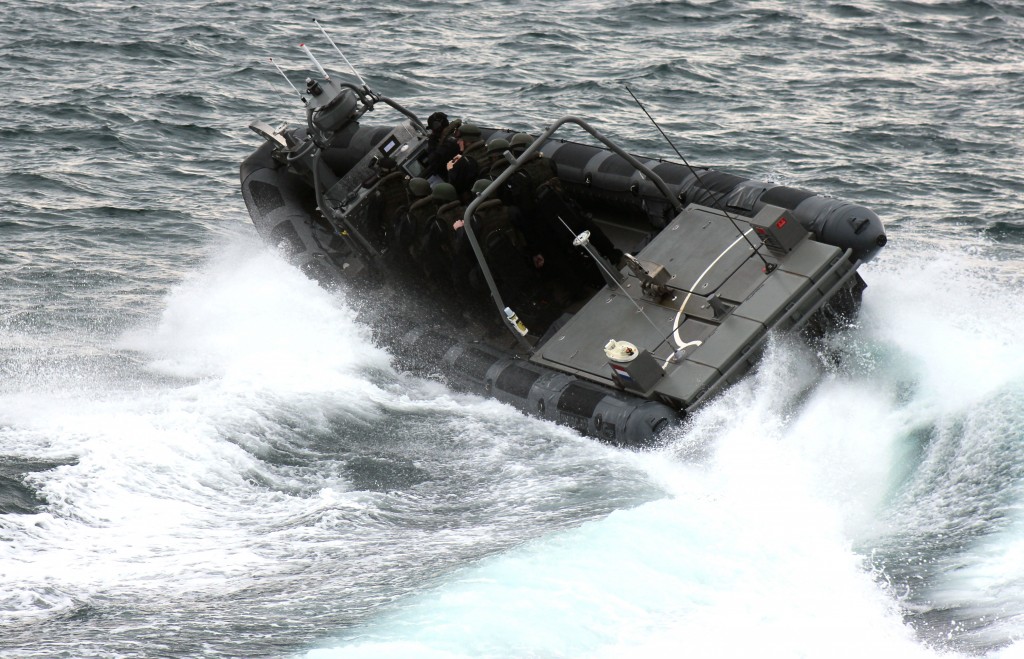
[(708, 326)]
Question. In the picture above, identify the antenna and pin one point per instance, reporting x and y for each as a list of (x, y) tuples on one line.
[(361, 81), (583, 240), (714, 197), (319, 68), (303, 98)]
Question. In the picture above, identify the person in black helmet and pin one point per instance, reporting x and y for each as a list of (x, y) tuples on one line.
[(441, 147), (436, 123), (387, 200), (411, 223), (462, 171), (470, 142), (432, 246)]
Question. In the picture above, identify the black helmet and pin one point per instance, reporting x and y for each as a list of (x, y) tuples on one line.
[(520, 141), (481, 185), (437, 122), (469, 130), (445, 192), (419, 187), (497, 145)]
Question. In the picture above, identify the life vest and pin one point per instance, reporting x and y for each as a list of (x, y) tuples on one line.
[(389, 199), (420, 214), (494, 226), (522, 187), (476, 150), (440, 230), (503, 247)]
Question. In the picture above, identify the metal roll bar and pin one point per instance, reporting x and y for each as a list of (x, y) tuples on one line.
[(514, 167)]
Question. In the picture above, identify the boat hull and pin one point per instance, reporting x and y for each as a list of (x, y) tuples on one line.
[(703, 328)]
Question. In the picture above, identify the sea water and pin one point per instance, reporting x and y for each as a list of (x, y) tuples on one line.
[(202, 452)]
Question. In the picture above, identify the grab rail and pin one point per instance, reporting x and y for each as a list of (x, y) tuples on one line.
[(515, 166)]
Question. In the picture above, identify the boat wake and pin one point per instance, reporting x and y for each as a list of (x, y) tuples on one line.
[(857, 502), (267, 457)]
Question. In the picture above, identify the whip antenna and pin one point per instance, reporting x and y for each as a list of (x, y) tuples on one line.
[(361, 81), (714, 197), (299, 94), (319, 68), (582, 240)]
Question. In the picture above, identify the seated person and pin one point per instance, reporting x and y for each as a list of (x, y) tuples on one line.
[(441, 147)]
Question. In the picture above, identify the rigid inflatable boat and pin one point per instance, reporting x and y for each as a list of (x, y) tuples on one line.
[(702, 265)]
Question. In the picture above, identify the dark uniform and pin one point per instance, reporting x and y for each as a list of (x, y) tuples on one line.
[(551, 220), (435, 249), (420, 216), (472, 145), (504, 249), (462, 172), (521, 188), (441, 145), (495, 162), (557, 210), (388, 200)]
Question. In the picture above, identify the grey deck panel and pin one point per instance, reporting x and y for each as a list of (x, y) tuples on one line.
[(686, 382), (745, 281), (727, 343), (810, 259), (580, 343), (773, 298), (697, 238), (691, 242)]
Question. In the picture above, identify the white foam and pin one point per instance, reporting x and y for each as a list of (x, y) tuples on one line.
[(752, 553), (709, 575), (955, 325), (756, 552), (152, 499), (749, 557), (250, 316)]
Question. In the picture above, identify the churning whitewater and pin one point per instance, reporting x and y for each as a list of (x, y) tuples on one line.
[(204, 453)]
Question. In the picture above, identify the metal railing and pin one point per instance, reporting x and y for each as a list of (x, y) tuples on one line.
[(514, 167)]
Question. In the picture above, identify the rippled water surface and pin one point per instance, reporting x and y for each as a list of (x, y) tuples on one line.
[(202, 453)]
